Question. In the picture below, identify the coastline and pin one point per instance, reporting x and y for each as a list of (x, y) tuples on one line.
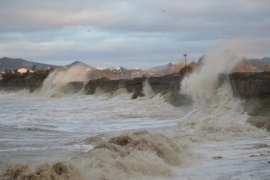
[(252, 88)]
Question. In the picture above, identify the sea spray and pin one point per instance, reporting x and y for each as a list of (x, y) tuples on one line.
[(202, 84), (147, 89), (79, 117), (135, 155), (55, 85), (118, 93), (217, 115), (139, 154)]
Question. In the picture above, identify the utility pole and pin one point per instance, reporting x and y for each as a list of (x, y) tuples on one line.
[(185, 55)]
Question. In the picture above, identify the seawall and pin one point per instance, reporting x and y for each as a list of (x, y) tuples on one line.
[(20, 84), (254, 90), (168, 86)]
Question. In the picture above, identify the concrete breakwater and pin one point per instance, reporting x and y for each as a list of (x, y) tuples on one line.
[(166, 86), (247, 84), (244, 85), (135, 86), (254, 89), (20, 84)]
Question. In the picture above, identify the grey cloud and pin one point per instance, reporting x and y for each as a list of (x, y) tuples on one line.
[(129, 15), (152, 31)]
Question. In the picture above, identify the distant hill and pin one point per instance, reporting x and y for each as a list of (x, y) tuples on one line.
[(266, 60), (263, 61), (162, 68), (81, 65), (14, 63)]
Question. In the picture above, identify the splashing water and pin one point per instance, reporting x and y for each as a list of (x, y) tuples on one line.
[(147, 89), (202, 84), (55, 85), (216, 113), (32, 127)]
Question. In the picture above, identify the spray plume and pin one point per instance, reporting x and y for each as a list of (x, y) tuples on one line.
[(55, 84), (202, 84)]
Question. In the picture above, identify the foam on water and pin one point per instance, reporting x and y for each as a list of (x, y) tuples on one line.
[(145, 155), (147, 90), (58, 170), (97, 136), (131, 155), (223, 119), (55, 85), (241, 159), (216, 114)]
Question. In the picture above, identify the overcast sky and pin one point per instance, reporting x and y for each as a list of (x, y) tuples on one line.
[(137, 33)]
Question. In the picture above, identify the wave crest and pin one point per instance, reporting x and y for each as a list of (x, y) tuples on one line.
[(136, 154), (58, 170)]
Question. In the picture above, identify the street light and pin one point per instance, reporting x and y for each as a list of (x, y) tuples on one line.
[(185, 55)]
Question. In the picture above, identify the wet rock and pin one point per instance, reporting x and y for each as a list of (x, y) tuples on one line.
[(262, 122)]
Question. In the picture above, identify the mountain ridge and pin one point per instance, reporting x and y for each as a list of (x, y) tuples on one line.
[(17, 63), (81, 64)]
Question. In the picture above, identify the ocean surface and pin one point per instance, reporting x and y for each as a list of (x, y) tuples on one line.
[(50, 133)]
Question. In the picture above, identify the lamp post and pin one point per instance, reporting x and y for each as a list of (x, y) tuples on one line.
[(185, 55)]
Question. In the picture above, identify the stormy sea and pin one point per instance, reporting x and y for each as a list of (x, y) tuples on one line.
[(52, 134)]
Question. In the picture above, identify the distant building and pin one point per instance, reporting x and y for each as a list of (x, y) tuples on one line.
[(23, 70), (136, 75), (256, 69)]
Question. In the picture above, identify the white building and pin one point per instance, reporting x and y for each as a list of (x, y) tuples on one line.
[(23, 70)]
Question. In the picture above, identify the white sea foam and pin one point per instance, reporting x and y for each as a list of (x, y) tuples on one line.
[(55, 85), (34, 129), (56, 127), (216, 115), (147, 90)]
